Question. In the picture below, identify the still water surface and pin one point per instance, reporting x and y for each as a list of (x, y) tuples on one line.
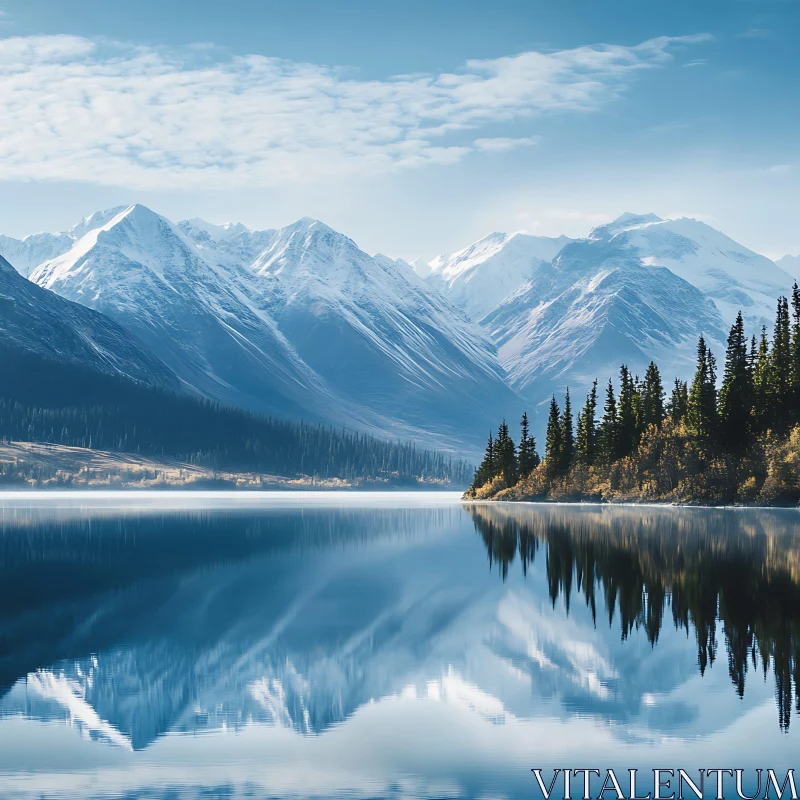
[(399, 645)]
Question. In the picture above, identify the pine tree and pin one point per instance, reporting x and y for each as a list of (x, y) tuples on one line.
[(736, 394), (762, 383), (794, 416), (485, 471), (626, 414), (527, 457), (505, 456), (781, 368), (679, 401), (701, 412), (652, 403), (781, 363), (567, 436), (552, 445), (580, 437), (608, 437), (586, 439)]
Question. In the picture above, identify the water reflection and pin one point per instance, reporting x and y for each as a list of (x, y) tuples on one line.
[(706, 569), (362, 648)]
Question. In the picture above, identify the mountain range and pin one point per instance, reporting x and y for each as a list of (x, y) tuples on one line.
[(299, 322)]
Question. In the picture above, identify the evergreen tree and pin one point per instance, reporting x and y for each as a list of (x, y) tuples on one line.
[(527, 457), (652, 403), (638, 392), (758, 394), (505, 456), (762, 383), (795, 357), (586, 439), (736, 394), (626, 414), (485, 471), (701, 412), (679, 401), (608, 437), (781, 366), (580, 437), (567, 436), (552, 445)]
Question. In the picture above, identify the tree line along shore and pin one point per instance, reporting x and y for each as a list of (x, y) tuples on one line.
[(733, 443)]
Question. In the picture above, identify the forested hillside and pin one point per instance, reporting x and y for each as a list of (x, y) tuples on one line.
[(48, 401), (739, 443)]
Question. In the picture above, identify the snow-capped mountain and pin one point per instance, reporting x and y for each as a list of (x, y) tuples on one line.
[(732, 276), (639, 288), (372, 329), (310, 327), (206, 322), (300, 322), (595, 307), (480, 276), (37, 322), (26, 254)]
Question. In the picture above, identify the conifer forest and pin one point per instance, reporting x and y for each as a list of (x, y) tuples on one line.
[(729, 441), (47, 401)]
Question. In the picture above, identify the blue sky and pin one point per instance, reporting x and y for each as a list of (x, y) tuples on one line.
[(413, 127)]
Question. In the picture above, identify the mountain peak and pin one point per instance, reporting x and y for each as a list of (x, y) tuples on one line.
[(216, 233), (95, 220), (137, 212), (307, 224), (308, 232), (621, 223)]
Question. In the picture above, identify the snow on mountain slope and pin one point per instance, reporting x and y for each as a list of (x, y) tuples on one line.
[(231, 243), (480, 276), (639, 288), (790, 264), (33, 320), (595, 307), (26, 254), (734, 277), (311, 328), (205, 322), (375, 332), (197, 227)]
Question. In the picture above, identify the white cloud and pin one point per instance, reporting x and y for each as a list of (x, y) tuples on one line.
[(501, 143), (110, 113)]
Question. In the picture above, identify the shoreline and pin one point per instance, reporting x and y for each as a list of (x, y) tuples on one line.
[(43, 466), (627, 504)]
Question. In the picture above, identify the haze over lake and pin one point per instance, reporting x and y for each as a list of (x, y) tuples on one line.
[(385, 645)]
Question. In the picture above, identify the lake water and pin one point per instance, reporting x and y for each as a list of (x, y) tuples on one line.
[(387, 645)]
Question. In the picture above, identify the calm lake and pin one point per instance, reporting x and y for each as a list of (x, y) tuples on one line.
[(386, 645)]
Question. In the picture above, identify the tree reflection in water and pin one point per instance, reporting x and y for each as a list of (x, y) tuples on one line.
[(709, 569)]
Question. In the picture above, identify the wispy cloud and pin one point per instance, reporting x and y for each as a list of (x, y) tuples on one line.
[(500, 144), (755, 33), (143, 117)]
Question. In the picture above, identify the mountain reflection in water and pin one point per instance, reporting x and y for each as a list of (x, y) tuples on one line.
[(365, 640)]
